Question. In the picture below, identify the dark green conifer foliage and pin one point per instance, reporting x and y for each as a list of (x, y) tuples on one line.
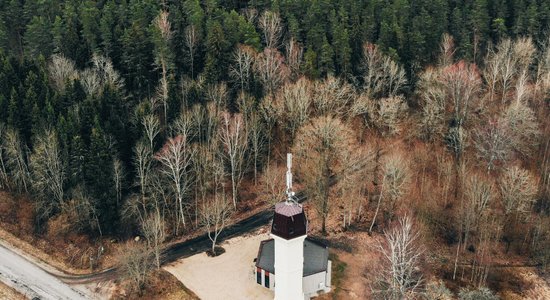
[(216, 47)]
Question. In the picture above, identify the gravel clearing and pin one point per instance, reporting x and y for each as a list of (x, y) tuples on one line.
[(228, 276), (32, 281)]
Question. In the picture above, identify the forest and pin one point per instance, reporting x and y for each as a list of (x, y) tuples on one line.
[(141, 117)]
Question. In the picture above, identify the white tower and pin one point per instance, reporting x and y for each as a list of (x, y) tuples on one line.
[(289, 232)]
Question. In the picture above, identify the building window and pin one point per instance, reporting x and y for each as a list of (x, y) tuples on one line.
[(259, 276), (266, 279)]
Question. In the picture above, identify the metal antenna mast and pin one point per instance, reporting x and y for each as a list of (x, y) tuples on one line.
[(290, 194)]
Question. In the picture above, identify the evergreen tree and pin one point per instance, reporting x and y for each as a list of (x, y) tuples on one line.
[(216, 48), (90, 18), (38, 37), (99, 179)]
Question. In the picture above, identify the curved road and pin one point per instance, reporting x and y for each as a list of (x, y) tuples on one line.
[(187, 248), (32, 281)]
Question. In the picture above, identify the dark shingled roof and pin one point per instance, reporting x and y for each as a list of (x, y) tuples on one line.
[(315, 256), (289, 220)]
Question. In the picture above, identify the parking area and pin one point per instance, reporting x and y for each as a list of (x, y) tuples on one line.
[(227, 276)]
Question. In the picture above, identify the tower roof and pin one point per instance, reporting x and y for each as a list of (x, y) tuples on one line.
[(289, 220), (315, 256)]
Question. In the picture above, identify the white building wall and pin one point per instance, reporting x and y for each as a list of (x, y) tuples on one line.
[(271, 281), (289, 265), (314, 283), (328, 280)]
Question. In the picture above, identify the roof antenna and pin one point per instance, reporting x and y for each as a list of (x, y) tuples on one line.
[(290, 194)]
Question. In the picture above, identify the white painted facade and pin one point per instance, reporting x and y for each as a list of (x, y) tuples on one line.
[(313, 285), (289, 266), (317, 283)]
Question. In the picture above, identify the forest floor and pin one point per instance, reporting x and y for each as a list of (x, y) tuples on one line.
[(161, 286), (71, 253)]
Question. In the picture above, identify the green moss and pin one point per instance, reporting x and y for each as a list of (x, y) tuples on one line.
[(338, 270)]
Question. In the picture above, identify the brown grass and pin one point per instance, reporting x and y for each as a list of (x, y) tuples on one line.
[(69, 253), (7, 292), (160, 286)]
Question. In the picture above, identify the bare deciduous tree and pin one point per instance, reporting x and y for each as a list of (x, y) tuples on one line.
[(492, 143), (292, 104), (217, 94), (270, 23), (143, 159), (270, 69), (518, 190), (151, 125), (61, 70), (234, 138), (81, 211), (118, 177), (256, 127), (175, 157), (16, 160), (241, 69), (215, 213), (273, 183), (432, 100), (382, 76), (154, 232), (106, 72), (390, 113), (523, 127), (136, 262), (102, 74), (542, 83), (462, 84), (4, 179), (294, 54), (332, 96), (506, 63), (352, 184), (90, 82), (395, 180), (321, 148), (47, 173), (400, 277), (479, 193), (163, 57), (191, 42), (447, 50)]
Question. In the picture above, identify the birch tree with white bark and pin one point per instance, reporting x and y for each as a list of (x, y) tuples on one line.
[(151, 125), (382, 77), (234, 140), (192, 38), (272, 28), (175, 157), (395, 183), (153, 229), (400, 277), (241, 68), (518, 190), (216, 211), (16, 160), (47, 173), (163, 57)]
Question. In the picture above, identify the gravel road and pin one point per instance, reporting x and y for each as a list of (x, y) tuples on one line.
[(31, 280)]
